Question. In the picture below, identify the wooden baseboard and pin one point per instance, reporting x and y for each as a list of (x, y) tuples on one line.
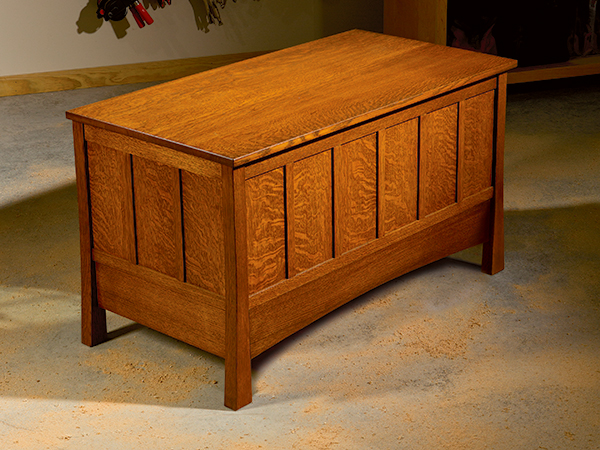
[(114, 75), (589, 65)]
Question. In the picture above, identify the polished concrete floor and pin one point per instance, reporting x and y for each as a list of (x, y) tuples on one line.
[(443, 358)]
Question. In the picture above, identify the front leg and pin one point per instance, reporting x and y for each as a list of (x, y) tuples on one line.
[(493, 249), (93, 318)]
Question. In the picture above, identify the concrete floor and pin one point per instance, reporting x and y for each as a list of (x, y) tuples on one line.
[(443, 358)]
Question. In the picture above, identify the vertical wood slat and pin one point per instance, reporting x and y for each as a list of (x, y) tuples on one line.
[(493, 249), (111, 193), (398, 156), (438, 160), (238, 375), (476, 144), (460, 153), (355, 193), (202, 199), (93, 318), (265, 215), (158, 217), (381, 180), (290, 213), (310, 222)]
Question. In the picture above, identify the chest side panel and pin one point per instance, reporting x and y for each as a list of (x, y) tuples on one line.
[(158, 237)]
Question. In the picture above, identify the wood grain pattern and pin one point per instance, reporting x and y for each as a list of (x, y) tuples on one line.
[(61, 80), (153, 152), (374, 246), (363, 74), (311, 223), (283, 315), (437, 165), (493, 249), (355, 205), (399, 164), (271, 211), (416, 19), (576, 67), (202, 199), (111, 199), (158, 217), (93, 318), (476, 148), (265, 213), (238, 369), (193, 315), (353, 133)]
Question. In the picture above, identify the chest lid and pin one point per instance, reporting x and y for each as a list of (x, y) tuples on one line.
[(251, 109)]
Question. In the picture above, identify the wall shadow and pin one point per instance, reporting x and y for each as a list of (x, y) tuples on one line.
[(341, 15), (89, 22)]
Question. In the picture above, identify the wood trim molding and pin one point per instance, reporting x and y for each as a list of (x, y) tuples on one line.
[(114, 75), (587, 65)]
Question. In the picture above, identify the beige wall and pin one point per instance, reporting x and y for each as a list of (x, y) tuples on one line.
[(41, 36)]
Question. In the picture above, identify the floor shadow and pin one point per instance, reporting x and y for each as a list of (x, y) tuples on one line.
[(554, 254), (122, 331), (551, 262), (260, 362), (39, 242)]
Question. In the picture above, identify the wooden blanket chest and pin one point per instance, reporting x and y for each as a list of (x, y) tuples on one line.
[(232, 208)]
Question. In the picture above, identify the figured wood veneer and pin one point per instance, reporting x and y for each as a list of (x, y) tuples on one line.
[(438, 160), (265, 216), (233, 208), (477, 152), (310, 202), (111, 201), (399, 171), (158, 217), (355, 175), (202, 203)]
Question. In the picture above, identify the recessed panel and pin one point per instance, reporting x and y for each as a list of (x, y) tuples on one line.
[(399, 171), (158, 217), (355, 185), (437, 171), (203, 231), (312, 212), (265, 216), (111, 201), (476, 158)]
